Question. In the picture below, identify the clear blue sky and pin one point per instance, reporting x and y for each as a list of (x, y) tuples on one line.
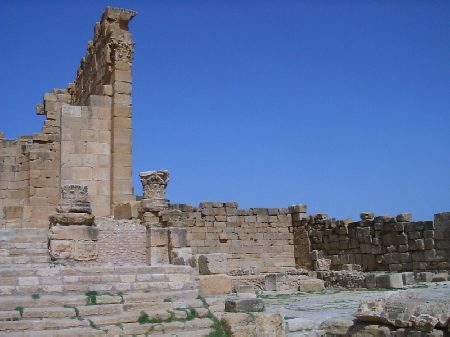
[(342, 105)]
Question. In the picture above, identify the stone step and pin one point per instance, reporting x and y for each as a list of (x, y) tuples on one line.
[(128, 329), (24, 259), (22, 235), (11, 302), (23, 251), (94, 269), (23, 245), (145, 321)]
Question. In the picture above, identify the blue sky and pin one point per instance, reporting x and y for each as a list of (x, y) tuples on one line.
[(342, 105)]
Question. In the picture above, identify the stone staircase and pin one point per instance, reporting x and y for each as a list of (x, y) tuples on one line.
[(101, 300), (23, 246)]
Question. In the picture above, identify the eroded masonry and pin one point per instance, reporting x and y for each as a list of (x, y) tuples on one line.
[(84, 255)]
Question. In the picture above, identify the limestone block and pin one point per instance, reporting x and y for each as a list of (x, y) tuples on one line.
[(275, 282), (150, 218), (366, 216), (85, 250), (159, 237), (440, 277), (210, 285), (299, 208), (237, 304), (424, 276), (216, 263), (71, 219), (158, 255), (12, 212), (404, 217), (73, 233), (182, 256), (322, 264), (408, 278), (311, 284), (251, 325), (177, 237), (128, 210), (390, 281), (61, 249)]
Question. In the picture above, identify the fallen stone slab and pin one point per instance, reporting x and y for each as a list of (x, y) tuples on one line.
[(254, 324), (311, 284), (406, 310), (301, 324), (215, 263), (390, 281), (236, 304)]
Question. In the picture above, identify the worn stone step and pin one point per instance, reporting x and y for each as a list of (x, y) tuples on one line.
[(42, 324), (37, 300), (24, 259)]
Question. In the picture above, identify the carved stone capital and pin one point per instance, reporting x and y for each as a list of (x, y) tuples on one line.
[(74, 199), (154, 184)]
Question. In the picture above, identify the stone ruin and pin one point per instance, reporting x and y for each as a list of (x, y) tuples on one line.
[(81, 255)]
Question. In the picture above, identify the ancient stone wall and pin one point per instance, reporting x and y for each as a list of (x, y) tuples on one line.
[(256, 239), (376, 244), (121, 242), (86, 136)]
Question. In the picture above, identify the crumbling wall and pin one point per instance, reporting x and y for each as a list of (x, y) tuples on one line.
[(86, 136), (377, 243), (256, 239)]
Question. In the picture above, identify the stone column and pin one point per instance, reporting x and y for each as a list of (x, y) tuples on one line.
[(73, 234), (302, 245), (154, 202)]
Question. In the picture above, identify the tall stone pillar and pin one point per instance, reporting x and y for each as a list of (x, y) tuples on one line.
[(154, 202), (73, 234), (302, 245)]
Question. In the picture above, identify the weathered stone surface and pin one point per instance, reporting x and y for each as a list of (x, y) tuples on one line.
[(390, 281), (216, 263), (154, 184), (72, 219), (404, 217), (405, 310), (81, 232), (219, 284), (299, 208), (336, 327), (366, 216), (275, 282), (236, 304), (74, 200), (311, 285), (127, 210), (253, 325)]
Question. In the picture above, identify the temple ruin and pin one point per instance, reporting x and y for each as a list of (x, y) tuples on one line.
[(81, 255)]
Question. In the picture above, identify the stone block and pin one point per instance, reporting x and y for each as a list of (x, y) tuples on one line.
[(61, 249), (408, 278), (216, 263), (159, 255), (424, 276), (211, 285), (128, 210), (85, 250), (250, 325), (299, 208), (440, 277), (73, 233), (177, 237), (275, 282), (159, 237), (322, 264), (404, 217), (72, 219), (366, 216), (236, 304), (309, 285), (390, 281)]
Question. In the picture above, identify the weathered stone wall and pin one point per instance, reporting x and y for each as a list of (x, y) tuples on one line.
[(121, 241), (381, 243), (256, 239), (106, 71), (86, 136)]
